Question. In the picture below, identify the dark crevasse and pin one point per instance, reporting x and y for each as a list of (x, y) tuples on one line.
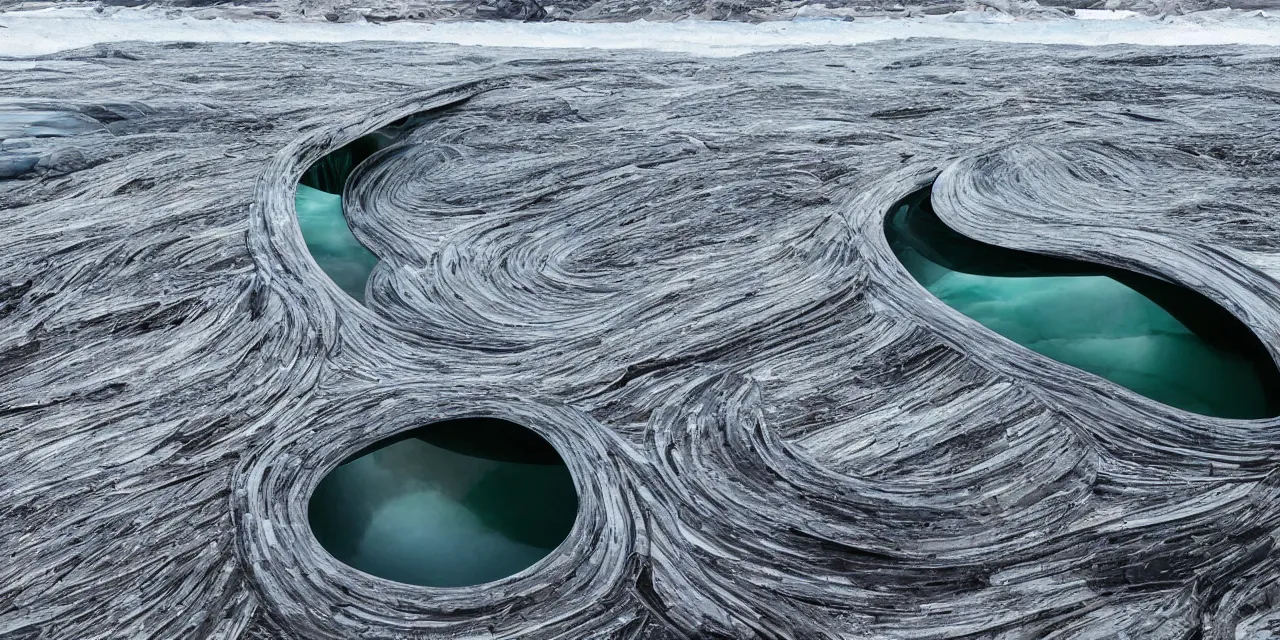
[(1162, 340), (454, 503), (318, 203)]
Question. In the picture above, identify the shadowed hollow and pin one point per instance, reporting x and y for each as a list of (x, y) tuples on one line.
[(450, 504)]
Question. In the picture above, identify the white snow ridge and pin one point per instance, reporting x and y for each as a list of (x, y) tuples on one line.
[(38, 32)]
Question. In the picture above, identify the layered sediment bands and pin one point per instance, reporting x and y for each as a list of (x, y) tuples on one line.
[(673, 270)]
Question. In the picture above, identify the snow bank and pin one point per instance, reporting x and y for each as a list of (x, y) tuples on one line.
[(30, 33)]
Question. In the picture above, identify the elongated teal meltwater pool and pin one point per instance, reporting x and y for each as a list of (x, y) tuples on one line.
[(318, 203), (449, 504), (1162, 340)]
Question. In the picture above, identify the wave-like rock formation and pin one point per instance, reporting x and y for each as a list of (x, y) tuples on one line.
[(675, 271)]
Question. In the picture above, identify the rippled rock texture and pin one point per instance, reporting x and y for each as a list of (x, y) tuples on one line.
[(674, 271)]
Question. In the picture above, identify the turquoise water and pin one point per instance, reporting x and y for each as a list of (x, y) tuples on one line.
[(1161, 340), (452, 504), (324, 226), (330, 241)]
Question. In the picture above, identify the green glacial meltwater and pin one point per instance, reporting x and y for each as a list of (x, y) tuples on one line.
[(1162, 340), (330, 241), (449, 504), (318, 203)]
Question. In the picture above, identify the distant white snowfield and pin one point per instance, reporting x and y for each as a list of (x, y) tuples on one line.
[(31, 33)]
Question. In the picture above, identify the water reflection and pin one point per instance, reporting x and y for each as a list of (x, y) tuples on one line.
[(319, 207), (1164, 341), (451, 504)]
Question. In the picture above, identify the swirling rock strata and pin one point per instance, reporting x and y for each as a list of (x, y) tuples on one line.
[(675, 271)]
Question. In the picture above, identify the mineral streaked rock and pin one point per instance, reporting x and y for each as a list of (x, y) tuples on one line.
[(674, 270)]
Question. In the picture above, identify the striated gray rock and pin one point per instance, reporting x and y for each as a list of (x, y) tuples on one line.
[(674, 269)]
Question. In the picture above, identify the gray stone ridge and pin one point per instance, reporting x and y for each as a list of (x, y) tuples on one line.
[(628, 10)]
